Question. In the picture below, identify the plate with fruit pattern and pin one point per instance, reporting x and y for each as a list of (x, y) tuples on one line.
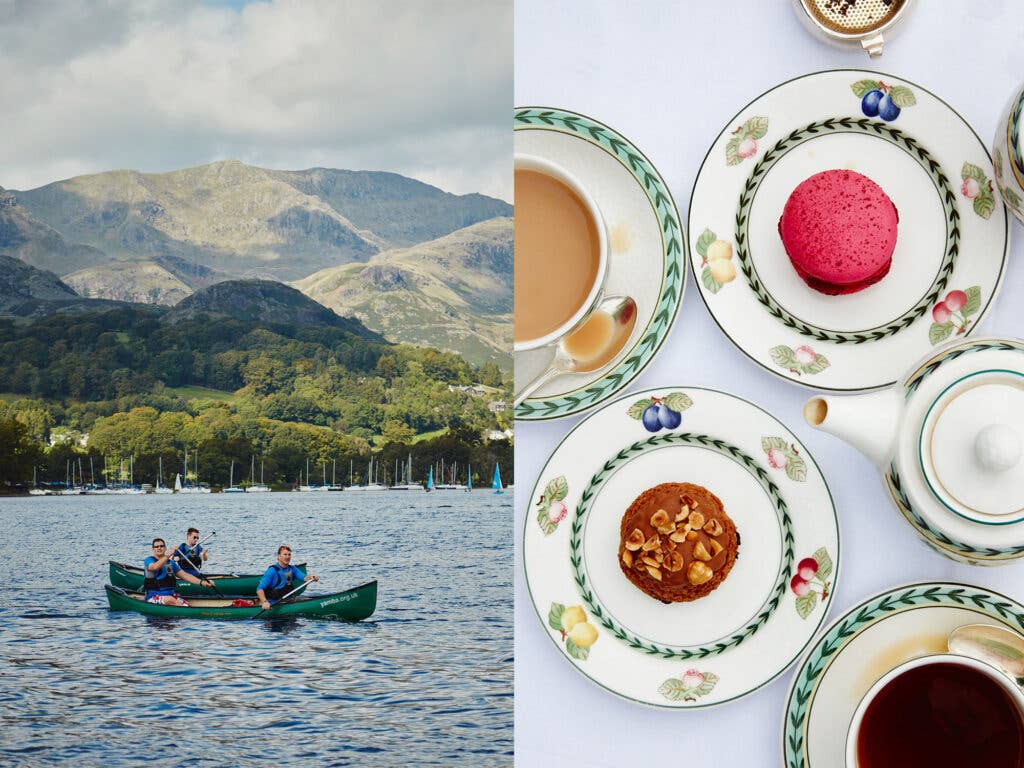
[(757, 619), (868, 640), (644, 236), (951, 241)]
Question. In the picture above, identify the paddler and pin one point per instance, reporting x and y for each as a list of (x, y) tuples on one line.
[(279, 578), (161, 572), (191, 555)]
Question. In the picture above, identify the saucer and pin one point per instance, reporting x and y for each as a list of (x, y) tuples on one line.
[(721, 646), (645, 239), (953, 232), (866, 642)]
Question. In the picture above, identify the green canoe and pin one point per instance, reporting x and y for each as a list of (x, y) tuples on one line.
[(352, 605), (130, 578)]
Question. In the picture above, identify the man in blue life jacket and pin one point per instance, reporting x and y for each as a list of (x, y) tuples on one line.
[(280, 578), (161, 572), (191, 555)]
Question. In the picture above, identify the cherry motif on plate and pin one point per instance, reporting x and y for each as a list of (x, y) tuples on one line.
[(810, 582), (952, 313)]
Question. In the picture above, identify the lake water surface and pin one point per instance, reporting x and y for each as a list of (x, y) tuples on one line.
[(427, 680)]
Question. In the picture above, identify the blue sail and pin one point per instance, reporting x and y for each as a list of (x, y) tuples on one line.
[(430, 480), (496, 482), (469, 478)]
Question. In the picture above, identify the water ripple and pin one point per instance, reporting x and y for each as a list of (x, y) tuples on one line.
[(427, 681)]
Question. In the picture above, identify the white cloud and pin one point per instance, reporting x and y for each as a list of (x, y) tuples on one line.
[(418, 88)]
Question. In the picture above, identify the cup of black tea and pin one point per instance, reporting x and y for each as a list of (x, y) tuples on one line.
[(936, 711)]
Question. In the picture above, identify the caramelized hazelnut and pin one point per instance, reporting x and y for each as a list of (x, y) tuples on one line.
[(699, 573)]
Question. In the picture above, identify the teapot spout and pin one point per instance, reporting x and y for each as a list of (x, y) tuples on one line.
[(868, 422)]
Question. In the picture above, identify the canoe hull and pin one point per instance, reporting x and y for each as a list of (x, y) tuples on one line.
[(354, 604), (130, 578)]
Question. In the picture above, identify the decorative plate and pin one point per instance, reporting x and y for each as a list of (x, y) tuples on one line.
[(735, 639), (866, 642), (950, 250), (645, 238)]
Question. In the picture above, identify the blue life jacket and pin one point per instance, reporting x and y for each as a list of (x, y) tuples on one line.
[(161, 582), (283, 585), (194, 554)]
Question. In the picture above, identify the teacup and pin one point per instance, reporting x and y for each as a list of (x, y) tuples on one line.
[(1008, 154), (992, 687), (561, 253)]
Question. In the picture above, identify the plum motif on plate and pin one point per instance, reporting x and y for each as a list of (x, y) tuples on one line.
[(658, 413), (878, 99)]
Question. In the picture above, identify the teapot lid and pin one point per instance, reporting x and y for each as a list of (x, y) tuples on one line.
[(972, 447)]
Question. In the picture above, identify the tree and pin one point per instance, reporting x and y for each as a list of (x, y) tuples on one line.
[(18, 453), (490, 374), (397, 432)]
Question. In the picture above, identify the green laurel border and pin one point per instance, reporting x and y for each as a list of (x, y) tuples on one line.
[(1013, 148), (871, 128), (858, 618), (604, 474), (673, 246), (944, 544), (918, 377)]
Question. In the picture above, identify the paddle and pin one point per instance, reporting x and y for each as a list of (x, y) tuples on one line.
[(199, 570), (303, 585)]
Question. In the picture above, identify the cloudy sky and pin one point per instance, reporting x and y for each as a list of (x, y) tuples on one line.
[(418, 87)]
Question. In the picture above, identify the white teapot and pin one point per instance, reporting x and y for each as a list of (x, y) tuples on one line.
[(949, 440)]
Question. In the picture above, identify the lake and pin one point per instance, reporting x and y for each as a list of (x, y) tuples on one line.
[(427, 680)]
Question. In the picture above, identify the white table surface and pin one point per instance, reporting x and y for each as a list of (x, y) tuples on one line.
[(668, 75)]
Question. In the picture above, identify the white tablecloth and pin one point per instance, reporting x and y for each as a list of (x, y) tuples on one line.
[(668, 75)]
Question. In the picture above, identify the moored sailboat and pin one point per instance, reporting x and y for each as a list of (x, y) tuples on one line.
[(160, 487), (232, 488), (255, 487), (408, 485)]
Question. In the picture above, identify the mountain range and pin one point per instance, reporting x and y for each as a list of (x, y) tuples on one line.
[(395, 252), (452, 292), (28, 292)]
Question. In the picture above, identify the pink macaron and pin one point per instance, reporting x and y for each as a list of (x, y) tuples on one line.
[(839, 230)]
